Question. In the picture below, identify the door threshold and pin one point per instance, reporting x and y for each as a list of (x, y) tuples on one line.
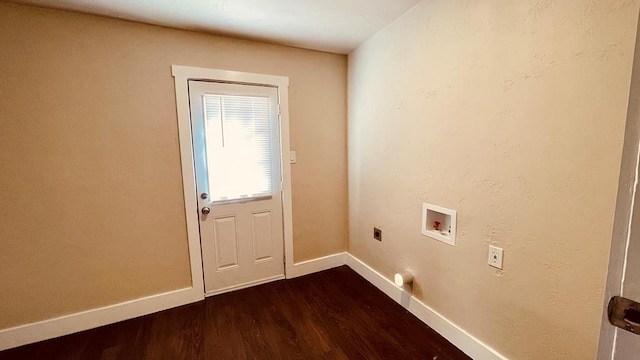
[(244, 285)]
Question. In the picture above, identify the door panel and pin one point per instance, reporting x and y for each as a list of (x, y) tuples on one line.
[(226, 240), (236, 142), (262, 236)]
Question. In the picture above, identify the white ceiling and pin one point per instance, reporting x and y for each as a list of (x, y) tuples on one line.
[(337, 26)]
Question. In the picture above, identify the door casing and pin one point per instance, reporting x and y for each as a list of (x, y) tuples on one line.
[(182, 74), (628, 184)]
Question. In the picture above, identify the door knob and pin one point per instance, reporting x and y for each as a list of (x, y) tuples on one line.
[(205, 210), (625, 314)]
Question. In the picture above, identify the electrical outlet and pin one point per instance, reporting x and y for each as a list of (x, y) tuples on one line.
[(377, 234), (495, 257)]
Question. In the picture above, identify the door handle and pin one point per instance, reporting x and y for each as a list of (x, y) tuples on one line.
[(625, 314), (205, 210)]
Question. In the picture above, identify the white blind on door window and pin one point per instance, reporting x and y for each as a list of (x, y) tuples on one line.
[(238, 146)]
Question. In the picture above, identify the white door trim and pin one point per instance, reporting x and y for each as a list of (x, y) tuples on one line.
[(182, 74), (625, 210)]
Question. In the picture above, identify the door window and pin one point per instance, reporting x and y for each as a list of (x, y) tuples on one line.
[(238, 147)]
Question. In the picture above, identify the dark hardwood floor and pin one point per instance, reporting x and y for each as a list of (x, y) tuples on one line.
[(334, 314)]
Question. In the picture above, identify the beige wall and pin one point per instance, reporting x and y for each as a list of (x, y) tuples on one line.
[(511, 113), (92, 210)]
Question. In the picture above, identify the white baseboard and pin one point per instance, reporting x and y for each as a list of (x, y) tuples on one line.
[(68, 324), (315, 265), (64, 325), (72, 323), (471, 346)]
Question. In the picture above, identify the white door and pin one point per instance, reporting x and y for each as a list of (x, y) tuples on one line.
[(620, 330), (236, 143)]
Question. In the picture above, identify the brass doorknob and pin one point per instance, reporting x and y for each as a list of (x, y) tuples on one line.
[(205, 210)]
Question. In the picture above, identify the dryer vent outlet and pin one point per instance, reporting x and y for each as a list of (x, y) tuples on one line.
[(377, 234)]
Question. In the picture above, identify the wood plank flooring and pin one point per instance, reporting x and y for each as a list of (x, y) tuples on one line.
[(334, 314)]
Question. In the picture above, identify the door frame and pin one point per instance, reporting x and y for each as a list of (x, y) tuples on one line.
[(182, 75), (624, 211)]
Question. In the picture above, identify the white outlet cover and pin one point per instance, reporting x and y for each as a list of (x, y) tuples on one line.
[(495, 257), (292, 157)]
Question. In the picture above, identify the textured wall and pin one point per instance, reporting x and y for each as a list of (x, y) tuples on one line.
[(92, 209), (513, 114)]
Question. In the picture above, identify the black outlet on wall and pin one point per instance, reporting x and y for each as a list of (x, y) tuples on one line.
[(377, 234)]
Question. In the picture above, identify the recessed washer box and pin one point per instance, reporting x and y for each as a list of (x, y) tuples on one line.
[(439, 223)]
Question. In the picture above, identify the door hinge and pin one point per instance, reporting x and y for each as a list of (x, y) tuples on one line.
[(625, 314)]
